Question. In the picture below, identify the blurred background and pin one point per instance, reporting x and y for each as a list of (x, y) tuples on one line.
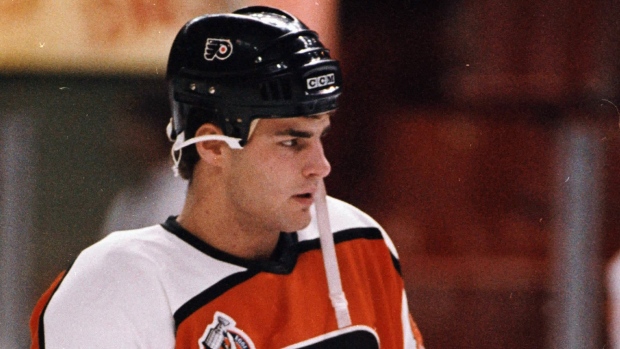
[(483, 135)]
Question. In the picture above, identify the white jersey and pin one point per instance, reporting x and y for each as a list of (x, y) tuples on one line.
[(161, 287)]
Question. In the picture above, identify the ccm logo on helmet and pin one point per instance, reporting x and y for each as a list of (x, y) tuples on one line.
[(320, 81), (218, 48)]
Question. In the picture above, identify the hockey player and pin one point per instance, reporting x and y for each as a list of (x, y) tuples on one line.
[(258, 257)]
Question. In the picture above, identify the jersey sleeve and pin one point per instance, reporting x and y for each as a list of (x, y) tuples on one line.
[(107, 299), (412, 335)]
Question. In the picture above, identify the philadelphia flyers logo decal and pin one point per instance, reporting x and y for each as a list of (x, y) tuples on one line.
[(218, 48)]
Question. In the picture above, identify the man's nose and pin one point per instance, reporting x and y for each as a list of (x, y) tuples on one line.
[(317, 165)]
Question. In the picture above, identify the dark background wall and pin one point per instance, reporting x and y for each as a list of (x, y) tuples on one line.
[(452, 133)]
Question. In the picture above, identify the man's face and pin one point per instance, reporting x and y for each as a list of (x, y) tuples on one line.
[(272, 182)]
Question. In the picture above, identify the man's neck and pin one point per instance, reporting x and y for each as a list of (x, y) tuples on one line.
[(212, 223)]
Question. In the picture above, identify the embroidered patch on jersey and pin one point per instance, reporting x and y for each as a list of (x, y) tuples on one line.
[(222, 334), (218, 48)]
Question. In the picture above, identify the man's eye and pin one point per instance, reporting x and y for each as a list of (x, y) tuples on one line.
[(290, 143)]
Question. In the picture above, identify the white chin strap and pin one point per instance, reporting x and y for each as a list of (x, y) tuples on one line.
[(180, 143), (334, 283)]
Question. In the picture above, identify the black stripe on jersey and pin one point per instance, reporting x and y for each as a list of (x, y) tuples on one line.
[(396, 263), (369, 233), (343, 236), (210, 294), (283, 262)]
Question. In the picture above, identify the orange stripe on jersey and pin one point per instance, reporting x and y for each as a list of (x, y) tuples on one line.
[(278, 310), (36, 320)]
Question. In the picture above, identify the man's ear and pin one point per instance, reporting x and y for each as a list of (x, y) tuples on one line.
[(209, 151)]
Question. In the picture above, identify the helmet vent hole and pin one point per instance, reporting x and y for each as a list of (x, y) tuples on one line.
[(286, 89), (276, 90), (265, 92)]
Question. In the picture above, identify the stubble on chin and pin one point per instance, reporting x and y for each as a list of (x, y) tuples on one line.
[(298, 223)]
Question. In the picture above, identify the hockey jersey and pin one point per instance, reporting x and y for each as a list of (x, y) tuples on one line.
[(162, 287)]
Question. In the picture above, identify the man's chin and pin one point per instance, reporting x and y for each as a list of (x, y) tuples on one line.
[(298, 224)]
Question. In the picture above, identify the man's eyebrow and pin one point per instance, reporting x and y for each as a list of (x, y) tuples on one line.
[(299, 133), (294, 133)]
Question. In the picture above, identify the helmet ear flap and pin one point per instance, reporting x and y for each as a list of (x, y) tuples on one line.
[(176, 125), (170, 131)]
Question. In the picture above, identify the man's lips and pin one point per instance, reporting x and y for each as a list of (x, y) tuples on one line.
[(306, 198)]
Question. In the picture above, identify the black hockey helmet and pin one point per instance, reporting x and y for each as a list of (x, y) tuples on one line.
[(258, 62)]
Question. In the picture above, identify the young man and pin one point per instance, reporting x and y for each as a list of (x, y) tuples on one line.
[(250, 261)]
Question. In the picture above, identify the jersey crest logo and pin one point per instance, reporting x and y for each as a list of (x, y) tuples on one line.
[(218, 48), (222, 334)]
